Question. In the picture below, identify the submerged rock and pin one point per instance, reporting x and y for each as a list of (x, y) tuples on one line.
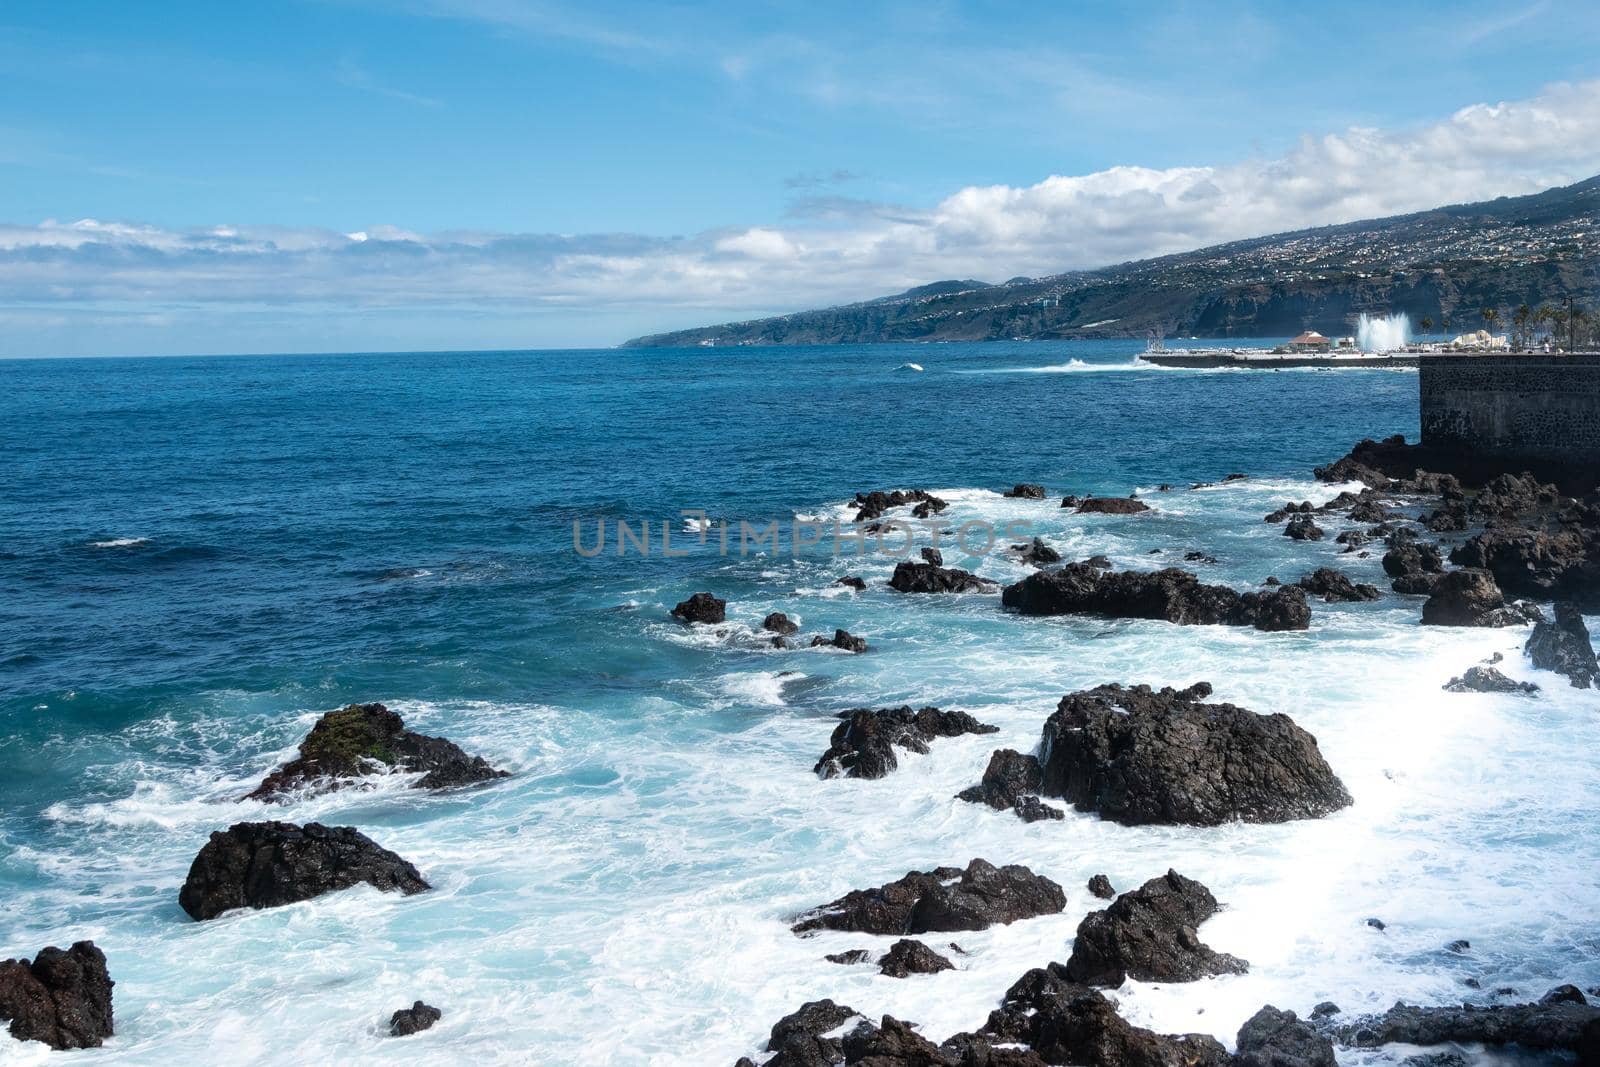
[(1336, 587), (850, 581), (268, 864), (413, 1020), (942, 900), (364, 739), (849, 957), (926, 578), (1140, 756), (1172, 595), (907, 957), (60, 997), (1563, 646), (1112, 505), (702, 607), (1012, 781), (862, 746), (1471, 598), (1273, 1038), (1487, 680), (1026, 491), (1149, 934)]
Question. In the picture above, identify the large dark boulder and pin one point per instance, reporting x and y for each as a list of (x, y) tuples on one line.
[(414, 1020), (1149, 934), (702, 607), (907, 957), (843, 640), (1173, 595), (364, 739), (1335, 587), (942, 900), (1273, 1038), (1471, 598), (267, 864), (1488, 680), (778, 623), (1112, 505), (862, 746), (60, 997), (1534, 563), (1543, 1026), (1303, 528), (1415, 566), (799, 1037), (1064, 1022), (911, 577), (1563, 646), (1139, 756), (1012, 781)]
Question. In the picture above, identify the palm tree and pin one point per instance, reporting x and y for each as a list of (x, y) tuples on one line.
[(1576, 316), (1489, 317), (1558, 322), (1426, 324), (1519, 319)]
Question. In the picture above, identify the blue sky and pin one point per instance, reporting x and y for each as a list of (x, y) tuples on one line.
[(605, 169)]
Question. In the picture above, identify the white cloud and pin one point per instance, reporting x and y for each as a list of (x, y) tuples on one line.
[(993, 232)]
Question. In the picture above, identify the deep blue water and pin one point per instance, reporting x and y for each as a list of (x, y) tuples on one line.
[(198, 556)]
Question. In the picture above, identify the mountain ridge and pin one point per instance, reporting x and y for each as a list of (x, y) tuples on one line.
[(1444, 263)]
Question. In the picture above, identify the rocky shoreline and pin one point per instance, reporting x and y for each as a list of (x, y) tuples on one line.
[(1503, 551)]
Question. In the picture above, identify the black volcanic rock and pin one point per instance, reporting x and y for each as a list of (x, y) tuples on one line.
[(1149, 934), (268, 864), (1557, 1026), (926, 578), (1471, 598), (702, 607), (862, 746), (779, 623), (1303, 528), (933, 556), (1026, 491), (1563, 646), (1112, 505), (363, 739), (1100, 888), (1336, 587), (1012, 781), (414, 1020), (798, 1038), (1172, 595), (907, 957), (1488, 680), (1037, 553), (841, 639), (873, 505), (60, 997), (1290, 510), (1534, 563), (850, 581), (1273, 1038), (1064, 1022), (1414, 566), (1139, 756), (942, 900)]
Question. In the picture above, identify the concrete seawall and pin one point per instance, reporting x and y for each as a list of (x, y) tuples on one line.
[(1539, 410)]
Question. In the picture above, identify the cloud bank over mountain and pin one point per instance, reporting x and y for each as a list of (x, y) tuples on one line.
[(261, 286)]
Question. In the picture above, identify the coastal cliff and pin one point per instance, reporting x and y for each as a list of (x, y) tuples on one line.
[(1443, 264)]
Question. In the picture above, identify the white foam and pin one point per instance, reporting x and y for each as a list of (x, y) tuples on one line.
[(120, 542)]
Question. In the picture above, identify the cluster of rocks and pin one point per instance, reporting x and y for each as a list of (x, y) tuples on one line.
[(863, 745), (1173, 594), (708, 609), (872, 506)]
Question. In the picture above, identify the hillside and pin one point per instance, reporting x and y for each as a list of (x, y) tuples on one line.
[(1446, 263)]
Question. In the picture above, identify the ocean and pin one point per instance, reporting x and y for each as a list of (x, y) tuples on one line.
[(199, 556)]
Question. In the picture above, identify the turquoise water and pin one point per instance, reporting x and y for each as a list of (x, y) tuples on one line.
[(199, 556)]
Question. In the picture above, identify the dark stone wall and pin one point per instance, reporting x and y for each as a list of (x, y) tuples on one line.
[(1541, 409)]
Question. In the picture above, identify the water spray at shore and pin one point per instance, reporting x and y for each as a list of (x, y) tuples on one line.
[(1385, 333)]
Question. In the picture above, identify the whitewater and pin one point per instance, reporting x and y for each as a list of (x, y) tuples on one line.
[(277, 537)]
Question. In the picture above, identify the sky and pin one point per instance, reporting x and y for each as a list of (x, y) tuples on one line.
[(341, 175)]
